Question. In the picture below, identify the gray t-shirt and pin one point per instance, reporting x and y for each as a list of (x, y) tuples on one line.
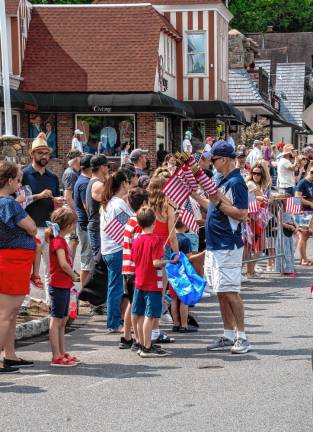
[(69, 178)]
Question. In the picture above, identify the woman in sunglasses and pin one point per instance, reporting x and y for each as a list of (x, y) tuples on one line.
[(305, 191), (258, 182)]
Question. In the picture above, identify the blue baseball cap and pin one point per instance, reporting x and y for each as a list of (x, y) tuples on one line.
[(223, 149)]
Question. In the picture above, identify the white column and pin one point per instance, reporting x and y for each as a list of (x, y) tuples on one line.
[(5, 70)]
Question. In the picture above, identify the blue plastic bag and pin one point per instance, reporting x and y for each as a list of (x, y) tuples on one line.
[(187, 284)]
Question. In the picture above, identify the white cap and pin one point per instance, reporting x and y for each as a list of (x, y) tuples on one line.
[(78, 132)]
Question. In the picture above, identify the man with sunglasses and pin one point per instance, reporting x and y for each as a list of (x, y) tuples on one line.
[(45, 187), (224, 247)]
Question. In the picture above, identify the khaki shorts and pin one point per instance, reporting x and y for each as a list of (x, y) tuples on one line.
[(222, 269), (86, 258)]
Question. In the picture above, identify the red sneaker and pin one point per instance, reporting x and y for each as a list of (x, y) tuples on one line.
[(62, 362), (71, 358)]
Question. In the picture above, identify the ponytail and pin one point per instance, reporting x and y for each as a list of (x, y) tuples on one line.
[(112, 186), (48, 234)]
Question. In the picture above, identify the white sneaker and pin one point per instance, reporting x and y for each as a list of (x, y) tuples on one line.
[(166, 318)]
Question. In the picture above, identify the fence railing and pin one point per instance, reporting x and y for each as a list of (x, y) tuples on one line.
[(264, 234)]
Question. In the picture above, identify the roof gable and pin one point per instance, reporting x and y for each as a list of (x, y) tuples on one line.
[(93, 49)]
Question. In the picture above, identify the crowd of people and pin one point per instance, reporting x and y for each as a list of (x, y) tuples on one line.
[(121, 217)]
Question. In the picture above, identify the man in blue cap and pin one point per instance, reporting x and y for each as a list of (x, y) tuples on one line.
[(224, 246)]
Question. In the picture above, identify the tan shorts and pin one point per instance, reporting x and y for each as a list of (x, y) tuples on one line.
[(222, 269)]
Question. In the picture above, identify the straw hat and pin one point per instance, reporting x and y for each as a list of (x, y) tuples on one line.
[(40, 142), (288, 149)]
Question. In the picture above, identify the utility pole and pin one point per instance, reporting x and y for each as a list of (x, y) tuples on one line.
[(5, 71)]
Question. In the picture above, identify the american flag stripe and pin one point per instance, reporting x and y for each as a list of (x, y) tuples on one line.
[(293, 205), (206, 183), (253, 207), (190, 178), (176, 190), (115, 228)]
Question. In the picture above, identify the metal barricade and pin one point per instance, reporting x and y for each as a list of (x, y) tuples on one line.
[(264, 235)]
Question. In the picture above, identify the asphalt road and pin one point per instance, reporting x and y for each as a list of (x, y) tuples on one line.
[(269, 389)]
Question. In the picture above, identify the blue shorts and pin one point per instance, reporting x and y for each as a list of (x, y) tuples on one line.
[(147, 303), (60, 301)]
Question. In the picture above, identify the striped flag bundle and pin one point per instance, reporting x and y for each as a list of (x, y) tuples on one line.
[(115, 228), (253, 207), (204, 181), (177, 189), (187, 216), (186, 173), (293, 205)]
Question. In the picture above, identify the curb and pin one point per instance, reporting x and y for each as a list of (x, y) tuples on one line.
[(32, 328)]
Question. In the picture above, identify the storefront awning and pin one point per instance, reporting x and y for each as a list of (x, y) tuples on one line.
[(139, 102), (19, 99), (217, 110)]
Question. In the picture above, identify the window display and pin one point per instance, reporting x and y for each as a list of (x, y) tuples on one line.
[(107, 133), (46, 123)]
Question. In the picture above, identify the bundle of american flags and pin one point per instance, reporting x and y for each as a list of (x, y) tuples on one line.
[(293, 205), (115, 228), (204, 181), (187, 216), (177, 189)]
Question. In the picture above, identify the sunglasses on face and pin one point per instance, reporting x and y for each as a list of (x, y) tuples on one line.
[(215, 159), (257, 173)]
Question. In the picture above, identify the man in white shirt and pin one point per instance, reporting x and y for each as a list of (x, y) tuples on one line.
[(286, 171), (256, 154), (77, 142), (187, 146)]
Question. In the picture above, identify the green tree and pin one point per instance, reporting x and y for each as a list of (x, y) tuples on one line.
[(283, 15)]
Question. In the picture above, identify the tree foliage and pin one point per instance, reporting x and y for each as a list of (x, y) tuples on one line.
[(256, 131), (283, 15)]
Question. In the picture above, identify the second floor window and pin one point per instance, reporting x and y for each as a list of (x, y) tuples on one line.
[(196, 53)]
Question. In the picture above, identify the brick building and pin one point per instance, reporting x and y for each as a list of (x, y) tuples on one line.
[(133, 72)]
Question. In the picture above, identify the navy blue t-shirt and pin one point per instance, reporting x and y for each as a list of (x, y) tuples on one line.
[(11, 235), (223, 232), (80, 190), (306, 188), (40, 210), (184, 243)]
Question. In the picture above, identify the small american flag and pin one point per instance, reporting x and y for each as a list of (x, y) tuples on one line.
[(206, 183), (253, 207), (293, 205), (190, 178), (187, 217), (176, 189), (115, 228)]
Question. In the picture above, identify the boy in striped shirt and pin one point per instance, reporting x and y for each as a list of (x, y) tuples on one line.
[(137, 197)]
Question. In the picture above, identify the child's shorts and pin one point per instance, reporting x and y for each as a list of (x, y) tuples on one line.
[(60, 301), (129, 286), (147, 303)]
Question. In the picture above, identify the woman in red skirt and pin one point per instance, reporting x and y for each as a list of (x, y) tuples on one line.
[(17, 251)]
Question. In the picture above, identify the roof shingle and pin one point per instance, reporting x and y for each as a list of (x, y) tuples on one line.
[(290, 84), (93, 49)]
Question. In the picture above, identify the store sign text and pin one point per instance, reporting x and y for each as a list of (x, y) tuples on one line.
[(101, 109)]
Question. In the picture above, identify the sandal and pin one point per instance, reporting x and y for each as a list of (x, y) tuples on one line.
[(306, 263), (69, 357), (62, 362), (36, 280)]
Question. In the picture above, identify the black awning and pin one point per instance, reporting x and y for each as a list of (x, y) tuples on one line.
[(217, 110), (139, 102), (19, 99)]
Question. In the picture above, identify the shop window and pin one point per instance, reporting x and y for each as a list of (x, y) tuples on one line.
[(47, 123), (196, 52), (197, 128), (107, 134), (15, 123)]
